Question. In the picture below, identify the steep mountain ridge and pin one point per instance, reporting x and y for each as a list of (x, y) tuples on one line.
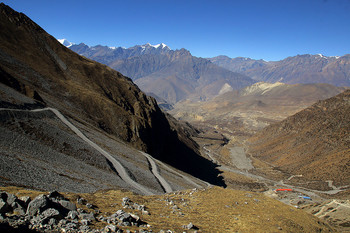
[(106, 55), (37, 65), (313, 143), (178, 74), (297, 69)]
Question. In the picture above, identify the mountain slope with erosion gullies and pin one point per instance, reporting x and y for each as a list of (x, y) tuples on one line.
[(297, 69), (178, 74), (313, 144), (42, 78)]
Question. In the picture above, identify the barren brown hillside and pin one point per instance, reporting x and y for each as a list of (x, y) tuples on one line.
[(36, 64), (314, 143)]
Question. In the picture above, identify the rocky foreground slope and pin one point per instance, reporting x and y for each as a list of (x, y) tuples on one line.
[(210, 210), (313, 144), (39, 150)]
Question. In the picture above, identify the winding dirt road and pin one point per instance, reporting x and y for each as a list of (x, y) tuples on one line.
[(167, 188), (117, 165)]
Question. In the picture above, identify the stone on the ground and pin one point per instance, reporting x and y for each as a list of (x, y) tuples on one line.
[(84, 228), (11, 199), (89, 216), (67, 204), (56, 195), (73, 214), (81, 201), (190, 226), (38, 205), (52, 213), (85, 222), (111, 228)]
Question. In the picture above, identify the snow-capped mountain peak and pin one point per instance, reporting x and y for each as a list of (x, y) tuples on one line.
[(65, 42), (162, 46)]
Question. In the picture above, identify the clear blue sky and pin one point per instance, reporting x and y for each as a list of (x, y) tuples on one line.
[(259, 29)]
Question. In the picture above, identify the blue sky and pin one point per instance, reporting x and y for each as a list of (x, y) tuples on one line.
[(270, 29)]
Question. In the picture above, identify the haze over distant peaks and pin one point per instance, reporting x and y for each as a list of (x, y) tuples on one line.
[(304, 68)]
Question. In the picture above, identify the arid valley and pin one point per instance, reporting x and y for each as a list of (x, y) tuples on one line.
[(151, 139)]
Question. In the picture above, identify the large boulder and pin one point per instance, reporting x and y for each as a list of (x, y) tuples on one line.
[(38, 205)]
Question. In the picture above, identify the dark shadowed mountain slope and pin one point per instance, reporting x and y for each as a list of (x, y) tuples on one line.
[(314, 143), (178, 75), (37, 65), (298, 69)]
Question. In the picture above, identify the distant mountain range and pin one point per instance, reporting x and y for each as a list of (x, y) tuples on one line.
[(172, 75), (298, 69), (179, 75)]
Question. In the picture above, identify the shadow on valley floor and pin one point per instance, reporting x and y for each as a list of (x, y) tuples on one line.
[(183, 154), (194, 164)]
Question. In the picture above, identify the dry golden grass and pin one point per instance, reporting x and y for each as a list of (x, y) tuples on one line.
[(212, 210)]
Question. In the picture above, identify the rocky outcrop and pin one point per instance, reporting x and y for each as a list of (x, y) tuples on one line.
[(55, 213)]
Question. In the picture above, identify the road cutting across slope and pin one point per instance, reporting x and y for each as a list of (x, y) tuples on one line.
[(154, 169), (117, 165)]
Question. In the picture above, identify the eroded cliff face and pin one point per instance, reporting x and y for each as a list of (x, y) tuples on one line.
[(86, 90)]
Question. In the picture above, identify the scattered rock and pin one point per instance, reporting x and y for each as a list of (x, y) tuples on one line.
[(111, 228), (73, 214), (81, 201), (84, 228), (190, 226), (85, 222), (11, 199), (56, 195), (39, 204), (126, 201), (67, 204), (55, 213), (70, 227), (145, 212), (51, 213), (52, 222), (89, 216)]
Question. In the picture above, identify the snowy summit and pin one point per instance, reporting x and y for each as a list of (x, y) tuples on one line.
[(162, 45), (65, 42)]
